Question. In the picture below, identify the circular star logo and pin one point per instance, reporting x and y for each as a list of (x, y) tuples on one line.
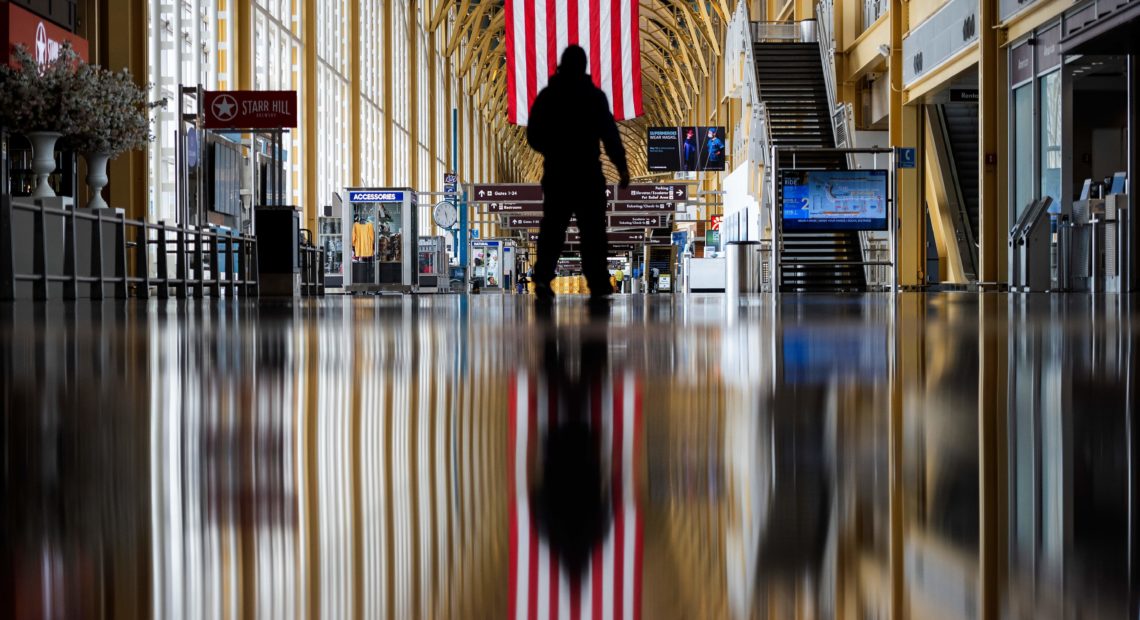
[(41, 44), (225, 108)]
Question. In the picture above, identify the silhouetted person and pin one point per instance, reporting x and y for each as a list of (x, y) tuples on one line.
[(567, 121)]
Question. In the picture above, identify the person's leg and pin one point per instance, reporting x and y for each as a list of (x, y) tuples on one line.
[(551, 239), (592, 228)]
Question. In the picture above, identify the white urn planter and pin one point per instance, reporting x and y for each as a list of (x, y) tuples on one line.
[(96, 179), (43, 160)]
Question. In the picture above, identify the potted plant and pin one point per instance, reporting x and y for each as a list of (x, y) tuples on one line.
[(110, 115), (33, 102)]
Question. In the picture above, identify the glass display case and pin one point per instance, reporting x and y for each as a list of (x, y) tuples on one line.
[(380, 242), (432, 264), (329, 237)]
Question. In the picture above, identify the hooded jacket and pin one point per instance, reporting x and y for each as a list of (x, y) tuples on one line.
[(567, 121)]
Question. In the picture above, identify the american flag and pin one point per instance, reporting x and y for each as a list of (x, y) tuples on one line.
[(540, 586), (539, 30)]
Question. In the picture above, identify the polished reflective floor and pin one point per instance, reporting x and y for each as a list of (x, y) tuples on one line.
[(918, 456)]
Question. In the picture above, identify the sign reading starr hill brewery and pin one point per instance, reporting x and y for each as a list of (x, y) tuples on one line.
[(250, 109)]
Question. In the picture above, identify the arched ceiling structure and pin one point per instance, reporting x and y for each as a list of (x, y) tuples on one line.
[(679, 48)]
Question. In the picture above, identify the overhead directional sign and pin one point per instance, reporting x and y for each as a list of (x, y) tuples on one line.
[(507, 192), (641, 207), (664, 192), (640, 221), (523, 221), (619, 236), (513, 207)]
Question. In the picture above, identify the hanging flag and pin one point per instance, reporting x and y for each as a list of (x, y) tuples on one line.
[(538, 31), (541, 587)]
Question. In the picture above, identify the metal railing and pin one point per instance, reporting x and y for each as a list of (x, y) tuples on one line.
[(874, 248), (312, 266), (772, 32), (205, 260)]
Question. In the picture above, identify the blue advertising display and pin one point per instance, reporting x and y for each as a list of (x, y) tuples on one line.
[(816, 200), (375, 196)]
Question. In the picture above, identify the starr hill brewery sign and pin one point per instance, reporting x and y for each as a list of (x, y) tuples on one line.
[(250, 109)]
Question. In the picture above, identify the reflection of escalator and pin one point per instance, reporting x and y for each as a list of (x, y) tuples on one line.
[(790, 77)]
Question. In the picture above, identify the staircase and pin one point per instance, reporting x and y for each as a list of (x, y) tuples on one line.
[(792, 88)]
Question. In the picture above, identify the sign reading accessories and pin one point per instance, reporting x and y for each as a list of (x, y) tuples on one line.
[(373, 196), (39, 36), (948, 31)]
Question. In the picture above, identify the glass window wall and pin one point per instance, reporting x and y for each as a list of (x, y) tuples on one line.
[(199, 41), (1022, 155), (1050, 131), (1035, 121)]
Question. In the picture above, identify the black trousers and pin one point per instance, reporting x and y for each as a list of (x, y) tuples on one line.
[(588, 203)]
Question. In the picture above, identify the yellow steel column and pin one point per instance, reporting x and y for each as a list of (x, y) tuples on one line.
[(433, 116), (243, 32), (309, 133), (389, 113), (904, 132), (354, 125), (124, 46), (992, 204), (413, 96), (804, 9)]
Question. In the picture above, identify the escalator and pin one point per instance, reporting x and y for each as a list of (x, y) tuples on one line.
[(791, 84), (953, 135), (962, 130)]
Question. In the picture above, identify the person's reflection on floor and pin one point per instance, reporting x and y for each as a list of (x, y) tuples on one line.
[(571, 504), (576, 527)]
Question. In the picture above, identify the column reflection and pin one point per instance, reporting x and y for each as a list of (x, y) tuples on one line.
[(915, 456)]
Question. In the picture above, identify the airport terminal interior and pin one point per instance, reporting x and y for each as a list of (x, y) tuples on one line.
[(277, 340)]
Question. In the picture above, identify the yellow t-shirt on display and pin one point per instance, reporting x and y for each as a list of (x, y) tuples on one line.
[(363, 238)]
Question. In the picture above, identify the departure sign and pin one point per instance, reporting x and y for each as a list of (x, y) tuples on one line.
[(639, 221), (508, 192), (672, 192)]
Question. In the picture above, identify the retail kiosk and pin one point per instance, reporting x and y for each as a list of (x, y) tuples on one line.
[(487, 263), (493, 263), (380, 235)]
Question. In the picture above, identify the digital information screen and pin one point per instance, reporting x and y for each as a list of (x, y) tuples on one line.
[(834, 199), (686, 149)]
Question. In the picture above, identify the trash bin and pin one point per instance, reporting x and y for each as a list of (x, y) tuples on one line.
[(742, 267)]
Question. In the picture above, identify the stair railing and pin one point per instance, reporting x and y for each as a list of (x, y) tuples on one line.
[(873, 247), (743, 33)]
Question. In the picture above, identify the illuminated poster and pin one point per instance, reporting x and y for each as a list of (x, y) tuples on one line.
[(834, 199)]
